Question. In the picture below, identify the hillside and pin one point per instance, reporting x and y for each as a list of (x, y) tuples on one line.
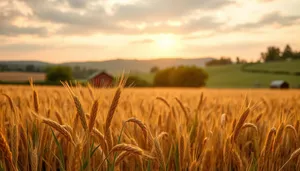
[(13, 65), (118, 65), (289, 66), (231, 76), (115, 66)]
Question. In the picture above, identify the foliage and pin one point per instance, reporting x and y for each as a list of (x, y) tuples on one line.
[(240, 61), (59, 73), (221, 61), (182, 76), (134, 81), (288, 52), (154, 69), (274, 54)]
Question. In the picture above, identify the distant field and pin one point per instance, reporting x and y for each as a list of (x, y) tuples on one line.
[(21, 76), (231, 76), (290, 66)]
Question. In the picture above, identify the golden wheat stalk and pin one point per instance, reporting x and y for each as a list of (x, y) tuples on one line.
[(240, 124), (250, 125), (34, 159), (121, 157), (159, 154), (164, 101), (4, 147), (112, 109), (140, 124), (10, 101), (59, 118), (80, 112), (294, 155), (91, 92), (237, 159), (93, 116), (223, 120), (15, 144), (60, 129), (183, 108), (102, 140), (78, 105)]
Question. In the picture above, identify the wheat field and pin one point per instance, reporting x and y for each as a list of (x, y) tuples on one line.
[(78, 128)]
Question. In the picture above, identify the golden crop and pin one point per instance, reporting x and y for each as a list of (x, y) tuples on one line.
[(53, 128)]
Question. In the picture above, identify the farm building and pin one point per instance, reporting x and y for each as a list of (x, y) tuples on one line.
[(101, 79), (280, 84)]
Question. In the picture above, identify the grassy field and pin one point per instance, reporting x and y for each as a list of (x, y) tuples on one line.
[(291, 66), (21, 76), (74, 129), (231, 76)]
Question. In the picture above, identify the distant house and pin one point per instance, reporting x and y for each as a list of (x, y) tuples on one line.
[(101, 79), (279, 84)]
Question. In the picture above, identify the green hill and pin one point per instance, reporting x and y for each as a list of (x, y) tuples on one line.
[(231, 76), (289, 66)]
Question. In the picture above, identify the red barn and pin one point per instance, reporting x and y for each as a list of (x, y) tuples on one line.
[(101, 79)]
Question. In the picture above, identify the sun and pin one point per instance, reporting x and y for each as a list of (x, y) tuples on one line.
[(166, 41)]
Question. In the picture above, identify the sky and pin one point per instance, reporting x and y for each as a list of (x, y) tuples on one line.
[(95, 30)]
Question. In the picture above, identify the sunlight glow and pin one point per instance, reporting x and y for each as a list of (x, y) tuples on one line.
[(166, 41)]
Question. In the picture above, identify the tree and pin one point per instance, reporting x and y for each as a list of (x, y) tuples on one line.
[(154, 69), (182, 76), (237, 60), (287, 53), (30, 68), (297, 55), (272, 54), (59, 73), (162, 77), (221, 61)]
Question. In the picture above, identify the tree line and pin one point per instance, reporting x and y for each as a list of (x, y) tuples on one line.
[(274, 54), (225, 61)]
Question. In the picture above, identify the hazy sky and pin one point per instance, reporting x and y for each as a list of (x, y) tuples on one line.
[(74, 30)]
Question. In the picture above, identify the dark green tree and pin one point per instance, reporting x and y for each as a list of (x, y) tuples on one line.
[(154, 69), (221, 61), (162, 77), (238, 60), (272, 54), (59, 73), (183, 76), (287, 53)]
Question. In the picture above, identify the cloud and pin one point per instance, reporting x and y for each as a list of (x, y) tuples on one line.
[(161, 10), (271, 18), (77, 3), (8, 15), (11, 30), (21, 47), (143, 41), (86, 17), (266, 0), (30, 47), (96, 20)]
